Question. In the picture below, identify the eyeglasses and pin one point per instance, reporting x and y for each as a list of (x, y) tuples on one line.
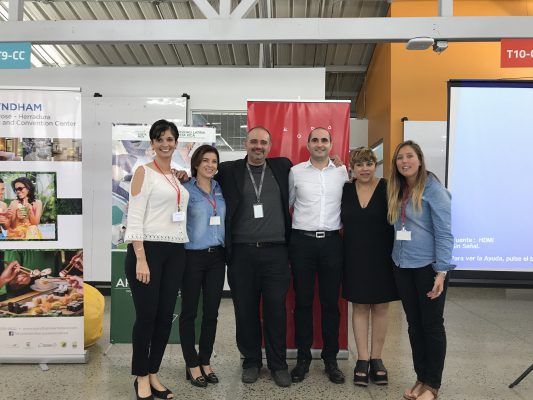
[(20, 188)]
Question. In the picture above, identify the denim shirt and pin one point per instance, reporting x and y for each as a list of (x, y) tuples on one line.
[(431, 236), (199, 211)]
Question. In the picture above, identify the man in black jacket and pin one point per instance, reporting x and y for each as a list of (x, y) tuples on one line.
[(257, 229)]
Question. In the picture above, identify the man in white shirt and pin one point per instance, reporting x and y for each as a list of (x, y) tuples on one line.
[(315, 192)]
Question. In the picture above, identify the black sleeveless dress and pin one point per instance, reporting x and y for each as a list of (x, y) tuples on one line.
[(368, 240)]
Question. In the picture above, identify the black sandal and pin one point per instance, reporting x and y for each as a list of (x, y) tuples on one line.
[(361, 367), (376, 366)]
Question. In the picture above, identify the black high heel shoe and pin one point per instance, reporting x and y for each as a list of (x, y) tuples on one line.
[(360, 373), (210, 377), (198, 382), (136, 386), (161, 394), (378, 372)]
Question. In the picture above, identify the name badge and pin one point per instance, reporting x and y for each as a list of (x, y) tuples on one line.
[(403, 235), (214, 220), (178, 216), (258, 211)]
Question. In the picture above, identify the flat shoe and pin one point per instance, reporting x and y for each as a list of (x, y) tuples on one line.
[(426, 389), (408, 396)]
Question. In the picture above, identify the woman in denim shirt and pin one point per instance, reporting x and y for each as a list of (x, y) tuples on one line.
[(205, 264), (420, 209)]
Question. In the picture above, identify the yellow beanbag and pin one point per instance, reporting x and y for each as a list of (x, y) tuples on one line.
[(93, 311)]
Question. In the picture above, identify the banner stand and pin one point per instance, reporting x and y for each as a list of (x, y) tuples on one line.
[(49, 359), (41, 227)]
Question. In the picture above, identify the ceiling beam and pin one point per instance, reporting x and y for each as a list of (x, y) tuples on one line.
[(206, 8), (243, 8), (225, 8), (16, 10), (267, 30)]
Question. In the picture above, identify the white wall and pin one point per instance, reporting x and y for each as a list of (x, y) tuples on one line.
[(358, 132), (210, 89)]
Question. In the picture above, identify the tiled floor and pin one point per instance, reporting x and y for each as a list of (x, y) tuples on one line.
[(490, 343)]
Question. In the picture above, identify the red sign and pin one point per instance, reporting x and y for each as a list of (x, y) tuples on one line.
[(516, 53), (289, 123)]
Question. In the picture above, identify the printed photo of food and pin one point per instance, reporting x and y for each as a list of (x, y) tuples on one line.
[(43, 283)]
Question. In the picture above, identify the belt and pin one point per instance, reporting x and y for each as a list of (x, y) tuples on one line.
[(316, 234), (209, 249), (263, 244)]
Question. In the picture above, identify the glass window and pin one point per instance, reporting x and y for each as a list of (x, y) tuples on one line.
[(230, 127)]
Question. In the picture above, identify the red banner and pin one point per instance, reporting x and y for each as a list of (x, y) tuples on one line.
[(516, 53), (289, 123)]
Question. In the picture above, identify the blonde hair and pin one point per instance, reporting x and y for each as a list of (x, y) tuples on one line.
[(397, 184), (362, 154)]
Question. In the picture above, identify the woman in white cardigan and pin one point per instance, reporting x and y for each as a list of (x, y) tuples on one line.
[(155, 260)]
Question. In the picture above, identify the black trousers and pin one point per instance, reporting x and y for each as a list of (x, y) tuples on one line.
[(425, 321), (311, 257), (154, 302), (205, 272), (256, 273)]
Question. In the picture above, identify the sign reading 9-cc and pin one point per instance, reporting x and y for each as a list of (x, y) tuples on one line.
[(15, 55)]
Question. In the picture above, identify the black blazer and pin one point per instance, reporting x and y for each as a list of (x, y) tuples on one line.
[(231, 177)]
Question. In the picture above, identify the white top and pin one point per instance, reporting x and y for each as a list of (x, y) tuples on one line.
[(150, 211), (316, 196)]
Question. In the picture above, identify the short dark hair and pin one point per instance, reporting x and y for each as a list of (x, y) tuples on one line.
[(1, 180), (160, 127), (259, 127), (28, 184), (315, 129), (198, 155)]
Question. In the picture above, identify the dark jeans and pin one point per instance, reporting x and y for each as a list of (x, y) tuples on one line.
[(206, 272), (256, 273), (426, 322), (311, 257), (154, 302)]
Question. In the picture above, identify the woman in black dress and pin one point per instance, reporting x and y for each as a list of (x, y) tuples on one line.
[(368, 279)]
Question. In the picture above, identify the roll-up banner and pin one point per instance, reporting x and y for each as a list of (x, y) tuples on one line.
[(41, 249), (131, 148), (289, 123)]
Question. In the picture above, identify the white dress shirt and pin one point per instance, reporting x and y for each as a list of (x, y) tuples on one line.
[(316, 196)]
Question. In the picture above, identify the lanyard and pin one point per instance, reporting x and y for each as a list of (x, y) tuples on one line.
[(405, 200), (174, 185), (257, 191), (214, 202)]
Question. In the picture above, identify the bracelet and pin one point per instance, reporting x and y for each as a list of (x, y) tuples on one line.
[(138, 248)]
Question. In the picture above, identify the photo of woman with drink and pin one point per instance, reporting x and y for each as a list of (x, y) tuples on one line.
[(26, 211), (28, 205)]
